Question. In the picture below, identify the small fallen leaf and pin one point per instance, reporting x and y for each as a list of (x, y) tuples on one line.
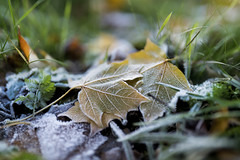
[(24, 45), (31, 56)]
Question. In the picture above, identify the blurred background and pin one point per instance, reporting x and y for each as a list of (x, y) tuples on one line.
[(199, 34)]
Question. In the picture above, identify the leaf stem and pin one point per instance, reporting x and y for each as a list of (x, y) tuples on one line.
[(39, 111)]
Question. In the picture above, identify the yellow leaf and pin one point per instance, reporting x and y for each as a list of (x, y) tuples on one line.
[(150, 54)]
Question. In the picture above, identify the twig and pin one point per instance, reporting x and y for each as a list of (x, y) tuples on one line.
[(14, 124), (126, 145)]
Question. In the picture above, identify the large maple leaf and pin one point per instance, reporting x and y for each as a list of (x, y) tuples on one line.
[(105, 95), (107, 91)]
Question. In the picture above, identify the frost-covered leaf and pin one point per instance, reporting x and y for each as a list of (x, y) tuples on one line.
[(41, 90), (156, 69), (150, 54), (105, 96), (13, 88), (76, 115), (15, 83), (160, 95), (116, 98), (109, 72)]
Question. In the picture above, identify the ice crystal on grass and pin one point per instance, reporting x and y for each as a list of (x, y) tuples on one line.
[(204, 89), (173, 103)]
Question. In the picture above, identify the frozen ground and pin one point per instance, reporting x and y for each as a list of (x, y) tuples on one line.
[(57, 140)]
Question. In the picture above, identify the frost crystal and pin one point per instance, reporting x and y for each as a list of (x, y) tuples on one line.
[(204, 89), (173, 103), (65, 140)]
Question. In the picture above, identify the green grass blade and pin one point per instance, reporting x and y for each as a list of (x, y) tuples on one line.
[(203, 26), (189, 39), (28, 12), (188, 44), (4, 44), (12, 15), (164, 24), (193, 29), (19, 52), (106, 55), (188, 68), (11, 11), (224, 64), (67, 13)]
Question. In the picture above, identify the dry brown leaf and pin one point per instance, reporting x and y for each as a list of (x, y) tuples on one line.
[(76, 115), (116, 98), (24, 45), (105, 96)]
